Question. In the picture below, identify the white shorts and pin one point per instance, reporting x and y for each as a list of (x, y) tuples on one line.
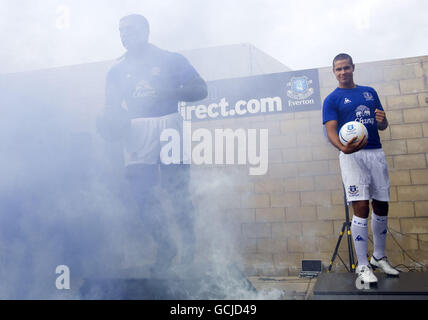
[(365, 175), (143, 145)]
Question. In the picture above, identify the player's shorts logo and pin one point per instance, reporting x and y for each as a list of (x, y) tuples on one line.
[(353, 191), (299, 88)]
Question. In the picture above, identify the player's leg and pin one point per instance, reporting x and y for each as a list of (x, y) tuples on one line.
[(176, 182), (356, 184), (360, 234), (142, 150), (359, 230), (380, 191), (144, 181), (379, 227), (380, 230)]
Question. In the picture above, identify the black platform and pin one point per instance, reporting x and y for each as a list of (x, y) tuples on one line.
[(196, 285), (341, 286)]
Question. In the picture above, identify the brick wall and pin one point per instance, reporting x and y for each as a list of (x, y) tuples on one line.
[(296, 210)]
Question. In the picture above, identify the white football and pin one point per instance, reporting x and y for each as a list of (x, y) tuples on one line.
[(352, 129)]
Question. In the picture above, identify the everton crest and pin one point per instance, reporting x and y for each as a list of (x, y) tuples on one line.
[(368, 96), (353, 191), (299, 88)]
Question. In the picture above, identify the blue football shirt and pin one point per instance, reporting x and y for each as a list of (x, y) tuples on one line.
[(356, 104), (134, 81)]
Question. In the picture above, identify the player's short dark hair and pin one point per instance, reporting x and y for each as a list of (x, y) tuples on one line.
[(343, 56), (139, 19)]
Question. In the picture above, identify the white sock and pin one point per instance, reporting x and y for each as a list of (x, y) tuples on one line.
[(379, 228), (360, 233)]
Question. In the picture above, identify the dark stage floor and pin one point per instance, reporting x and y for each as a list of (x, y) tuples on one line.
[(337, 285)]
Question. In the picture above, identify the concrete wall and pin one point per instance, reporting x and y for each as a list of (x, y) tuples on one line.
[(296, 210)]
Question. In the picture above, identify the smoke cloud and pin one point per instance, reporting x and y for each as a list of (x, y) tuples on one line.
[(65, 201)]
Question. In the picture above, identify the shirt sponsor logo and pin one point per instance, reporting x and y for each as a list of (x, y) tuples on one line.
[(363, 115), (362, 111), (143, 89)]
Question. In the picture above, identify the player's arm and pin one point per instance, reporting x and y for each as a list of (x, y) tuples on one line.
[(193, 90), (114, 120), (382, 121), (113, 93), (350, 147), (380, 115), (191, 86)]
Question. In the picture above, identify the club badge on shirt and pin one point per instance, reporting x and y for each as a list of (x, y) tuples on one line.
[(368, 96)]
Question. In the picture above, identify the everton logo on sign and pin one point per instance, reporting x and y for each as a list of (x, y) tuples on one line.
[(299, 88)]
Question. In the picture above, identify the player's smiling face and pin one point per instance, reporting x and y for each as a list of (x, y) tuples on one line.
[(344, 70)]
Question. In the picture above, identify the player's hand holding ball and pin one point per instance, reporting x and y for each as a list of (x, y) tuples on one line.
[(354, 136)]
